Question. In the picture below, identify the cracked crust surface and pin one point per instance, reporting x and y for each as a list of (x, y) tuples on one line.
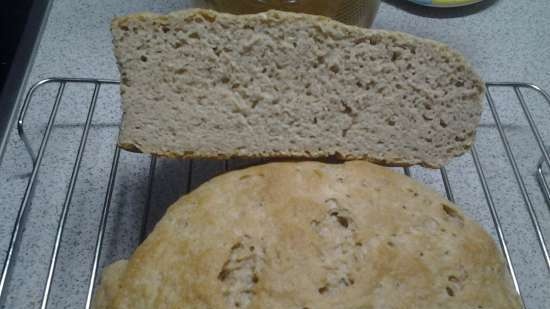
[(201, 84), (311, 235)]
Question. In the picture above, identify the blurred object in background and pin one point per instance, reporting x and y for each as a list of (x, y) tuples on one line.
[(13, 18), (445, 3), (353, 12)]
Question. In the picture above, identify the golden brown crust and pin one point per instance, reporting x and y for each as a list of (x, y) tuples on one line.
[(276, 155), (312, 235)]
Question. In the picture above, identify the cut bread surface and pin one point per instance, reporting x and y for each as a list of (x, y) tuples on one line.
[(201, 84)]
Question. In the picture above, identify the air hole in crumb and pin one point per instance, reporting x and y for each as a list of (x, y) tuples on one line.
[(347, 108), (165, 29), (334, 68), (450, 291), (395, 55), (391, 244), (178, 44), (217, 51), (442, 123), (143, 58), (225, 79), (374, 40), (323, 290), (453, 279), (320, 59), (314, 120), (195, 35)]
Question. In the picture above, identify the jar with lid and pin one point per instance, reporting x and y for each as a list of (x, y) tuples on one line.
[(354, 12)]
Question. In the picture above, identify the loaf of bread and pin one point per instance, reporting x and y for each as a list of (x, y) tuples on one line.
[(201, 84), (311, 235)]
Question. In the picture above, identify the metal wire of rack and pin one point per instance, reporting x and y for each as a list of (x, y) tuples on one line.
[(37, 158)]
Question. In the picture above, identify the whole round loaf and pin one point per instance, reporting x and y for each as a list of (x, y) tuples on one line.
[(311, 235)]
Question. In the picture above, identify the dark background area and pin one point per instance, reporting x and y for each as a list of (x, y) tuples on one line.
[(13, 18), (20, 23)]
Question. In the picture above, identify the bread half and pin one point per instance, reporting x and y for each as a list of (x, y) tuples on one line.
[(201, 84)]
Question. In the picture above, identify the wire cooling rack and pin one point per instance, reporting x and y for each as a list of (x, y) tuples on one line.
[(480, 164)]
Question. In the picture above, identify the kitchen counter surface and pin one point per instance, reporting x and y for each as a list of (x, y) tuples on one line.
[(505, 40)]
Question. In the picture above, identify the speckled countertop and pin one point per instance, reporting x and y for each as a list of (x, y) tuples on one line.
[(505, 40)]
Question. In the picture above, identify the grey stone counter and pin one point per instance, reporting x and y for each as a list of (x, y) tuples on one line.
[(505, 40)]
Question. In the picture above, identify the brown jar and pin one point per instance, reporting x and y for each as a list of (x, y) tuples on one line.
[(354, 12)]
